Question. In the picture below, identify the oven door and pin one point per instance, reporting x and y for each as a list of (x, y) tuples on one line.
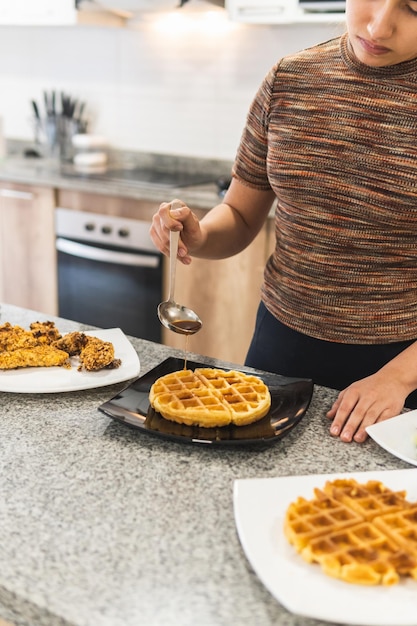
[(109, 286)]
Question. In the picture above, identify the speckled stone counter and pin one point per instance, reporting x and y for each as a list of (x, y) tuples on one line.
[(102, 525), (52, 173)]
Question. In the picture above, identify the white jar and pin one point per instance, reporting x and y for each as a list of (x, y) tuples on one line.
[(90, 152)]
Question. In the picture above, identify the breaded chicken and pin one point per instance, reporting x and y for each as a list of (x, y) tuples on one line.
[(37, 356), (72, 343), (114, 364), (44, 346), (45, 332), (97, 354), (15, 337)]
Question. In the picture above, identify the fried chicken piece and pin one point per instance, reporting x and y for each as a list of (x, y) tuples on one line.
[(44, 346), (45, 332), (97, 355), (15, 337), (114, 364), (72, 343), (36, 356)]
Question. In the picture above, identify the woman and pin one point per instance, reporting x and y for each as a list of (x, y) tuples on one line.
[(332, 135)]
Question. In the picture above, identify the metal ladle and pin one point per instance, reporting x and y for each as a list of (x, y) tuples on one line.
[(174, 316)]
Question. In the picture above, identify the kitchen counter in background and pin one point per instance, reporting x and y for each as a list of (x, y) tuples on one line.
[(104, 526), (16, 168)]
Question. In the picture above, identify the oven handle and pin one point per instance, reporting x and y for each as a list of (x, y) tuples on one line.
[(105, 256)]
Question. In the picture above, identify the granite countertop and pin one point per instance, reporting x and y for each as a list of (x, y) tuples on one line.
[(102, 525), (50, 172)]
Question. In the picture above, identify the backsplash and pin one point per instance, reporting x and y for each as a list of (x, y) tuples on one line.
[(173, 91)]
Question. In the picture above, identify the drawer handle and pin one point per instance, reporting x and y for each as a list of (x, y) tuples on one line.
[(16, 194), (83, 251)]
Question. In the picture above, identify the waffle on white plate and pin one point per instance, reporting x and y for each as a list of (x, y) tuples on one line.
[(360, 533), (210, 397)]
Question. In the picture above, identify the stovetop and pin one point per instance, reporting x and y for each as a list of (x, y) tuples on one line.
[(143, 176)]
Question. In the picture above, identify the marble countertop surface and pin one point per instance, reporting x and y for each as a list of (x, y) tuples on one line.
[(102, 525), (50, 172)]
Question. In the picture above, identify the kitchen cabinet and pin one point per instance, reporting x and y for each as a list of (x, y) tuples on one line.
[(286, 11), (139, 7), (27, 247), (57, 13)]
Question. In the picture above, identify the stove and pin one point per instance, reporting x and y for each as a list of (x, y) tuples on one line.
[(143, 176)]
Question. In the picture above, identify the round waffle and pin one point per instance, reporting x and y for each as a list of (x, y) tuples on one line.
[(210, 397), (361, 533)]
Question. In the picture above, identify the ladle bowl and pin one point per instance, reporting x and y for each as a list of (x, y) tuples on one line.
[(174, 316)]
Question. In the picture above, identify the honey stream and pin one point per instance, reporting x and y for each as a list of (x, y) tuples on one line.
[(189, 325), (186, 351)]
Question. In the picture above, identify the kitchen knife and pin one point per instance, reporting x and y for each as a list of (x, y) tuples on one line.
[(46, 103), (36, 110), (53, 106)]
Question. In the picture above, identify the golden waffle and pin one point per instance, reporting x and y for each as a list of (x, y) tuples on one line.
[(361, 533), (307, 519), (368, 500), (210, 397), (361, 554), (401, 527)]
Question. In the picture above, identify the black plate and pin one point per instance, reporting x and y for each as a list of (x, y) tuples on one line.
[(290, 398)]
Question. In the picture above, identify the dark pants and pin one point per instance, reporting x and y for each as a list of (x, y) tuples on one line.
[(279, 349)]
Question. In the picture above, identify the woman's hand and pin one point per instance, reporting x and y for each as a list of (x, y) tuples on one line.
[(179, 219), (365, 402), (374, 398), (225, 230)]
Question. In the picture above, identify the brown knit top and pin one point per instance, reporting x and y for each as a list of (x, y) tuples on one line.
[(337, 142)]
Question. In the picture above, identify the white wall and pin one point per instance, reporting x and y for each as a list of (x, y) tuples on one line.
[(175, 91)]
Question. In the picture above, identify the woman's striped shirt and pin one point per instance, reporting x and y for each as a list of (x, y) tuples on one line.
[(337, 142)]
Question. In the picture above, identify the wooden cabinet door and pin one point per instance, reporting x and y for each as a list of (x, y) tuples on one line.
[(28, 269)]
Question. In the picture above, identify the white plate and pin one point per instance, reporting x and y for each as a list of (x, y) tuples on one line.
[(58, 379), (302, 588), (398, 436)]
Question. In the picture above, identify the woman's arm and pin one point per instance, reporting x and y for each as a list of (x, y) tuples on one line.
[(375, 398), (224, 231), (230, 227)]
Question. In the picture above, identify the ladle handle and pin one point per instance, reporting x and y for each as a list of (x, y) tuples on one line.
[(173, 251)]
